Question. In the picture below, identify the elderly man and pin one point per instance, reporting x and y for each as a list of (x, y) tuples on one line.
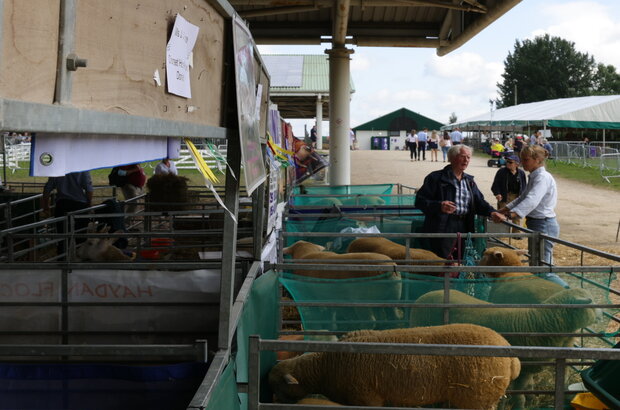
[(450, 200)]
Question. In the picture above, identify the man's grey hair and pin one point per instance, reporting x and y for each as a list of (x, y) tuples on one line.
[(455, 150)]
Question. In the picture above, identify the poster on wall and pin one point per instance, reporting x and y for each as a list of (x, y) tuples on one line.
[(178, 56), (251, 152)]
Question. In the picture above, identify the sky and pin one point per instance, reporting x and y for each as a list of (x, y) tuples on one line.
[(463, 81)]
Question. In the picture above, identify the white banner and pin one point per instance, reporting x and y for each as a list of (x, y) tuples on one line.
[(54, 155)]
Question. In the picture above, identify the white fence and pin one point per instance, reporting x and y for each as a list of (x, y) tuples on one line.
[(595, 155), (15, 153)]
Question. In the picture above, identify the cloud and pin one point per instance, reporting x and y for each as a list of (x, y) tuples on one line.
[(591, 25), (359, 63), (467, 72)]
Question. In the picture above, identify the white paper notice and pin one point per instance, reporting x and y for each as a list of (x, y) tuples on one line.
[(178, 53)]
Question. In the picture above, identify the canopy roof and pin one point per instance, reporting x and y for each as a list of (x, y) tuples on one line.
[(399, 120), (597, 112), (441, 24)]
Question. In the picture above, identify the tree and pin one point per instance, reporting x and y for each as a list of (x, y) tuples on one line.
[(453, 118), (545, 68), (606, 80)]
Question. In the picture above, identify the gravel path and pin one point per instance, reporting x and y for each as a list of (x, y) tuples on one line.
[(587, 215)]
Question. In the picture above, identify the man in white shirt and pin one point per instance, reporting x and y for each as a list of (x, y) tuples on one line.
[(166, 167), (456, 137)]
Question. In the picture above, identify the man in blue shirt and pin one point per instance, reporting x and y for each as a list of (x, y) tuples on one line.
[(422, 138)]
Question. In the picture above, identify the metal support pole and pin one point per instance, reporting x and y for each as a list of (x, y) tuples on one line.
[(339, 121), (229, 239), (66, 43), (535, 245), (560, 374), (253, 372), (319, 122), (258, 220)]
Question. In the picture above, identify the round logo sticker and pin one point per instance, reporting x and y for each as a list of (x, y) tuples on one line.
[(46, 159)]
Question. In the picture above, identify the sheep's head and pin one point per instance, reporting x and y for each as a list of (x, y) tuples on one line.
[(499, 256), (575, 318), (284, 385), (301, 248)]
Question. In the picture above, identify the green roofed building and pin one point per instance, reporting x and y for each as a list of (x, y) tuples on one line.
[(388, 132)]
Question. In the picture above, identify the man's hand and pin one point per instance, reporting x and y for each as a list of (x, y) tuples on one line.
[(498, 197), (45, 213), (448, 207), (498, 217)]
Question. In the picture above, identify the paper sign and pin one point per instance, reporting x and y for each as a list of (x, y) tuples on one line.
[(178, 56)]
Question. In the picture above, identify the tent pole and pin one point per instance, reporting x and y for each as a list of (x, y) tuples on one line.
[(603, 141)]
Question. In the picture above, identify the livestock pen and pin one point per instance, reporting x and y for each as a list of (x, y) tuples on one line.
[(335, 306)]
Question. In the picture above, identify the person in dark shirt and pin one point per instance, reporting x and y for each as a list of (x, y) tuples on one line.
[(450, 199), (508, 184)]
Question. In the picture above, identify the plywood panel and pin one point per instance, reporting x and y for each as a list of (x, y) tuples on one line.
[(125, 42), (29, 50)]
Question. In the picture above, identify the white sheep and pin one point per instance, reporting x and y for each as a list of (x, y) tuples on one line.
[(385, 287), (359, 379), (100, 249), (516, 320), (394, 250), (515, 287)]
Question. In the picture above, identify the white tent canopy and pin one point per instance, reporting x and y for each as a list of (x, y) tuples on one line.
[(595, 112)]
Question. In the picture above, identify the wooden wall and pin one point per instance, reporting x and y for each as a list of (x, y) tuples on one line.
[(124, 42)]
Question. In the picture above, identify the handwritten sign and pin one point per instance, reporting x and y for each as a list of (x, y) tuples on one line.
[(178, 57)]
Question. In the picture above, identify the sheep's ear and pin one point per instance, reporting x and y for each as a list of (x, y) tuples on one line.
[(290, 379), (498, 255)]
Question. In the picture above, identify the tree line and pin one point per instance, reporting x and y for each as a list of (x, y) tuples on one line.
[(548, 68)]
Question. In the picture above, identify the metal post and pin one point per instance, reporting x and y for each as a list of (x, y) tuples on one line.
[(319, 122), (258, 220), (253, 372), (560, 370), (66, 42), (339, 121), (535, 245), (229, 239)]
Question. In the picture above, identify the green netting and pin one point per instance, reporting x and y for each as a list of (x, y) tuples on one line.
[(382, 288), (258, 318), (347, 195), (376, 189), (225, 394), (412, 287), (385, 224)]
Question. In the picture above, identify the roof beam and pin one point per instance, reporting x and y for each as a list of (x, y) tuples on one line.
[(500, 8), (273, 11)]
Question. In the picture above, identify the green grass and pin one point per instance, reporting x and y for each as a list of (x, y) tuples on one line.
[(587, 175)]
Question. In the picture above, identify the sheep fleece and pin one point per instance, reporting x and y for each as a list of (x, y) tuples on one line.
[(402, 380)]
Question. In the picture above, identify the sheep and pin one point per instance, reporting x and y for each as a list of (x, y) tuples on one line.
[(394, 250), (515, 287), (100, 249), (316, 401), (308, 250), (360, 379), (532, 320), (363, 200), (388, 287)]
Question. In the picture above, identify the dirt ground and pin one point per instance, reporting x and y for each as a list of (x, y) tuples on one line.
[(587, 215)]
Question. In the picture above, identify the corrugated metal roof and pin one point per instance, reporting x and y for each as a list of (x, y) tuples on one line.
[(399, 120), (315, 73)]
